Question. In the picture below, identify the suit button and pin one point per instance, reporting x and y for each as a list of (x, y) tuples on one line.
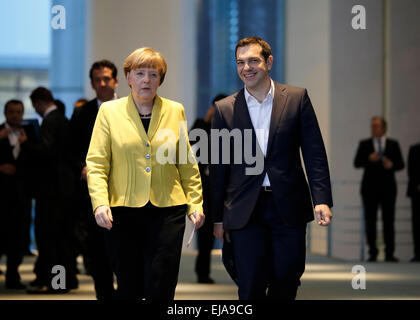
[(147, 144), (147, 156), (147, 169)]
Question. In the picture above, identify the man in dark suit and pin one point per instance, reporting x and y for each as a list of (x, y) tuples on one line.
[(380, 157), (413, 192), (55, 183), (15, 191), (103, 76), (205, 233), (262, 206)]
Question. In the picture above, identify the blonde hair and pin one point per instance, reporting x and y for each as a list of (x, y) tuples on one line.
[(146, 58)]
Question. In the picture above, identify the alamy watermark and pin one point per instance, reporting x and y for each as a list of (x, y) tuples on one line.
[(58, 21), (226, 147)]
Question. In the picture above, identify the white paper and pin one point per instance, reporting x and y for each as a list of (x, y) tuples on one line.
[(191, 235)]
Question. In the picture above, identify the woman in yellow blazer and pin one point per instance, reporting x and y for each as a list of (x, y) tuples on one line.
[(143, 179)]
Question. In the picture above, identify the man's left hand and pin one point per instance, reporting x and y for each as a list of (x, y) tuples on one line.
[(197, 218), (323, 215), (388, 164)]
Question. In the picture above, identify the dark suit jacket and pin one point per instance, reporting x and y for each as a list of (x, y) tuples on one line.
[(377, 179), (24, 166), (293, 127), (414, 171), (54, 158), (81, 124)]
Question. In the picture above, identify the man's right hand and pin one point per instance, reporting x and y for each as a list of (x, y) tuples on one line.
[(84, 173), (8, 169), (4, 132), (218, 232), (103, 217), (374, 157)]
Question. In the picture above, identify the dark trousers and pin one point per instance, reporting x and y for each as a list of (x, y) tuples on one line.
[(145, 246), (53, 232), (11, 243), (371, 204), (14, 210), (205, 245), (269, 256), (94, 252), (415, 224)]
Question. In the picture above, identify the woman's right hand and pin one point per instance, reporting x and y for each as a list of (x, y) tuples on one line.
[(103, 217)]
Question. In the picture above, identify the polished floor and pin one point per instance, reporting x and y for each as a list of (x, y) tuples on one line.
[(324, 279)]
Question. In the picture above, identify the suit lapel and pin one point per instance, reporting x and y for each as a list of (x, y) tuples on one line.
[(134, 117), (242, 112), (279, 102)]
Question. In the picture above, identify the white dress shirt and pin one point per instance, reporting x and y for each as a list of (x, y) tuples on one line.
[(14, 140), (260, 114)]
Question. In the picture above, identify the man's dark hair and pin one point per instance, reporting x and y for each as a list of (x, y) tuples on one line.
[(13, 101), (265, 47), (220, 96), (103, 64), (42, 94), (384, 124)]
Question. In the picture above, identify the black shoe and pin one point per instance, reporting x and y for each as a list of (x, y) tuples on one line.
[(36, 283), (391, 259), (415, 259), (207, 280), (17, 285), (45, 290), (372, 259)]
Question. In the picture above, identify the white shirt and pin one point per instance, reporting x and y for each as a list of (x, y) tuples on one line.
[(376, 146), (13, 140), (100, 102), (49, 110), (260, 114)]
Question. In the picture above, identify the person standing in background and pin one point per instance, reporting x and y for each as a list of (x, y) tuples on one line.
[(205, 233), (380, 157), (103, 79)]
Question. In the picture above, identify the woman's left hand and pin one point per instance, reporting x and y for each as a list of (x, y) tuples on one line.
[(198, 219)]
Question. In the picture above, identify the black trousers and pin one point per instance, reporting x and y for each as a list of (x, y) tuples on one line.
[(95, 255), (415, 224), (145, 245), (269, 255), (14, 211), (371, 204), (53, 232)]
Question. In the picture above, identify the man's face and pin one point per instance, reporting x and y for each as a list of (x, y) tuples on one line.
[(251, 66), (103, 83), (377, 128), (14, 114)]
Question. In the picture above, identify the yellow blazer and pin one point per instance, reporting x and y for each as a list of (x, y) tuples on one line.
[(124, 163)]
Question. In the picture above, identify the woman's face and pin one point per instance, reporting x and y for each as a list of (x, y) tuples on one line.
[(144, 83)]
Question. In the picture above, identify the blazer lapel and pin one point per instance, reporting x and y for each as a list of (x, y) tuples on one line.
[(156, 117), (279, 102), (134, 117), (244, 119)]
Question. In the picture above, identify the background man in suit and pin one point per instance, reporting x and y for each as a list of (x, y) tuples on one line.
[(413, 192), (265, 215), (54, 224), (380, 157), (205, 233), (15, 190), (103, 76)]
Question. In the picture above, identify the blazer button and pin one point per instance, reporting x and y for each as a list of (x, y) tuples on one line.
[(147, 156), (147, 144), (147, 169)]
